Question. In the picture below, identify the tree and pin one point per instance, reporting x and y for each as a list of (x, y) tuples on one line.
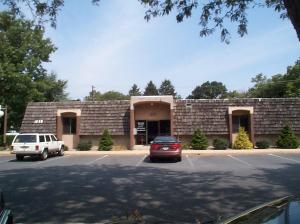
[(106, 142), (150, 89), (199, 140), (167, 88), (110, 95), (242, 140), (209, 90), (278, 86), (235, 94), (134, 91), (287, 139), (23, 78), (214, 14)]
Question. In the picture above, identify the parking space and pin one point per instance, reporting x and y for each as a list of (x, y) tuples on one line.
[(76, 188)]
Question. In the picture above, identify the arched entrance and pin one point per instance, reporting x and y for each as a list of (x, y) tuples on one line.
[(68, 123), (150, 117), (241, 117)]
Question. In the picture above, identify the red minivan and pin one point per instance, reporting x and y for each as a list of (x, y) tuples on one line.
[(165, 147)]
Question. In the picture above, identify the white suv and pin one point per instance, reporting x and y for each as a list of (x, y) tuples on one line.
[(34, 144)]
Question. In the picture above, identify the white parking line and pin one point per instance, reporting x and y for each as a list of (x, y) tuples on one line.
[(141, 160), (281, 157), (102, 157), (49, 160), (241, 161), (190, 162)]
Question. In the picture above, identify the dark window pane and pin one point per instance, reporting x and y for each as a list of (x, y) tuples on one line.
[(165, 127), (53, 138), (240, 121), (25, 139), (69, 125), (42, 138), (48, 138)]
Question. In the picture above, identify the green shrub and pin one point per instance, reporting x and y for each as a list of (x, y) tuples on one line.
[(9, 139), (263, 144), (220, 143), (106, 142), (185, 146), (199, 140), (287, 139), (84, 145), (242, 140), (66, 148)]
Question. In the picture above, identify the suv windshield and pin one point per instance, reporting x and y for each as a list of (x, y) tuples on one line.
[(25, 139), (165, 139)]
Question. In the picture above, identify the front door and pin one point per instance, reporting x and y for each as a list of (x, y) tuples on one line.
[(152, 130)]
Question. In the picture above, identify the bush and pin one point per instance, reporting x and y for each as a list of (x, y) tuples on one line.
[(199, 140), (66, 148), (185, 146), (9, 139), (84, 145), (242, 141), (263, 144), (106, 142), (220, 143), (287, 139)]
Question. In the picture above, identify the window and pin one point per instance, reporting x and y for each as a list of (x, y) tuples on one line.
[(69, 125), (42, 138), (25, 139), (240, 121), (53, 138), (48, 138)]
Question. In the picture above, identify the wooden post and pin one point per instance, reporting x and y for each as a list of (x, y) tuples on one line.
[(5, 127)]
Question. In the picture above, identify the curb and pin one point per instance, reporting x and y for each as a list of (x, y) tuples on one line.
[(184, 152)]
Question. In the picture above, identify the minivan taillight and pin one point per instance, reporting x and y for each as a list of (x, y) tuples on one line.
[(154, 146), (175, 146), (37, 148)]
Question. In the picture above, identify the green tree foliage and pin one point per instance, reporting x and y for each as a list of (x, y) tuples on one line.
[(278, 86), (242, 140), (287, 139), (23, 78), (199, 140), (134, 91), (235, 94), (167, 88), (150, 89), (209, 90), (110, 95), (106, 142), (214, 15)]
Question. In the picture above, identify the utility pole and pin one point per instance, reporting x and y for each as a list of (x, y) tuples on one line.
[(3, 111), (93, 91)]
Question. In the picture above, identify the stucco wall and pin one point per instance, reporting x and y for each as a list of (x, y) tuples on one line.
[(120, 142), (152, 111)]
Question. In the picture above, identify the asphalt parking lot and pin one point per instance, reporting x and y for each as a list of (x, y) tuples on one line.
[(110, 187)]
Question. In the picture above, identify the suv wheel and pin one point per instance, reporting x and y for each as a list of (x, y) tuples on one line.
[(19, 157), (61, 152), (44, 155)]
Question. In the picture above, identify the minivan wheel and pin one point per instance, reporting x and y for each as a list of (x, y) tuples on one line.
[(152, 160), (44, 155), (61, 152), (19, 157)]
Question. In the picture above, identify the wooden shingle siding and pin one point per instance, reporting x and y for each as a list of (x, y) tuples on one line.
[(95, 117), (210, 115)]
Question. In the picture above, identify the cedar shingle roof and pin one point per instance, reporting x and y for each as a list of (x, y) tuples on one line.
[(210, 115), (95, 117)]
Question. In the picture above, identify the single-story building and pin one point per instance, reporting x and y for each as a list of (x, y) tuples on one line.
[(138, 120)]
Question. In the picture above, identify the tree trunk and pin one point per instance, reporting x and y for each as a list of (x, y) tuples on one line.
[(293, 10)]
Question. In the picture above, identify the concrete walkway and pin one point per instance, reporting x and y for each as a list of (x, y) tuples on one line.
[(185, 152)]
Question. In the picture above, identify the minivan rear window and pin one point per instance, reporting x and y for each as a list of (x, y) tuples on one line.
[(25, 139)]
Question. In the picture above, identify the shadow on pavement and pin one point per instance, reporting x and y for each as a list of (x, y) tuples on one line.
[(98, 193)]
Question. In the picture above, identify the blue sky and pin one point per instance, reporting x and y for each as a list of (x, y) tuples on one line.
[(111, 47)]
